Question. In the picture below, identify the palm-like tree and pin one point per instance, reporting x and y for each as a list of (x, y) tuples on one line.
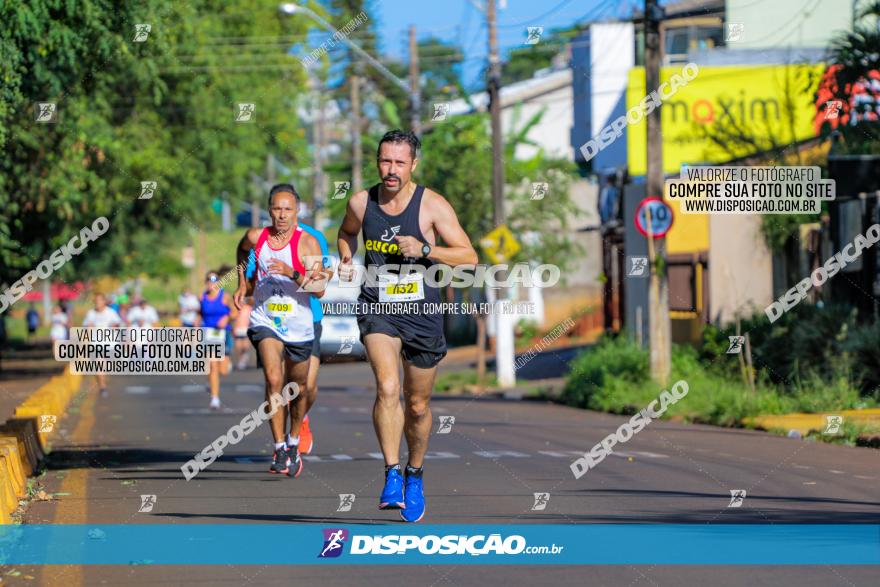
[(854, 80)]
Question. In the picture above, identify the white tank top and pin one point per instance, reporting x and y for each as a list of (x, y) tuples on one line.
[(278, 303)]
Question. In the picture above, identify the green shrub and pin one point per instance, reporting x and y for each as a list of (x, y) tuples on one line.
[(807, 338), (612, 359), (863, 345)]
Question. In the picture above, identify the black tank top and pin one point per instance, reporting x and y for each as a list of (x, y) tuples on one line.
[(378, 230)]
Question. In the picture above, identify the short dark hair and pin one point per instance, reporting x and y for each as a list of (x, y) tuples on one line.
[(400, 136), (283, 187)]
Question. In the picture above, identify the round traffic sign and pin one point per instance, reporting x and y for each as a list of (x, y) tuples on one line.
[(661, 217)]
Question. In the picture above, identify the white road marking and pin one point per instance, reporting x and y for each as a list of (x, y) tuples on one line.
[(494, 454), (377, 456), (863, 477), (650, 455), (138, 389), (801, 467), (193, 388), (196, 411), (835, 471), (552, 453), (809, 482)]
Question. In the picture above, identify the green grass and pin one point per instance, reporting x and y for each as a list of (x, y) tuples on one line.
[(457, 381), (162, 290), (613, 377)]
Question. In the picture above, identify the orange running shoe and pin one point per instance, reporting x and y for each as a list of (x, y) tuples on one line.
[(306, 442)]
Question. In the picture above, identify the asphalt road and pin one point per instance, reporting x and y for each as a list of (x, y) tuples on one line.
[(484, 470)]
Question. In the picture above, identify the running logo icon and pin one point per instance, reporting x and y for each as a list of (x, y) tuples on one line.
[(832, 109), (45, 112), (441, 110), (534, 35), (148, 188), (346, 345), (346, 500), (638, 267), (147, 503), (47, 422), (334, 541), (736, 344), (539, 190), (541, 500), (141, 32), (833, 424), (245, 112), (737, 497), (341, 188), (388, 237), (446, 423), (734, 32)]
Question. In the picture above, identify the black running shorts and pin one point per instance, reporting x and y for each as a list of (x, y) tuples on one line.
[(295, 351), (423, 352)]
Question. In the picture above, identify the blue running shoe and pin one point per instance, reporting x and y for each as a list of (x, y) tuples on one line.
[(414, 509), (392, 495)]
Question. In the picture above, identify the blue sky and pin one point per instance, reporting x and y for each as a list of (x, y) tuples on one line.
[(460, 21)]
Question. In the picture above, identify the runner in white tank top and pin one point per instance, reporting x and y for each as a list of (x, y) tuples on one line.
[(278, 303), (282, 260)]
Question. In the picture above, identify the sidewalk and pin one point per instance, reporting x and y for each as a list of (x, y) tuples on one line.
[(23, 371)]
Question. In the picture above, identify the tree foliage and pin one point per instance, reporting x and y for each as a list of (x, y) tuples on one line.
[(160, 110), (457, 162)]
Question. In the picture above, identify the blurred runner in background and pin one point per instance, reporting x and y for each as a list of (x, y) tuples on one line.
[(33, 322), (102, 316), (143, 315), (60, 323), (189, 308), (215, 309), (242, 345)]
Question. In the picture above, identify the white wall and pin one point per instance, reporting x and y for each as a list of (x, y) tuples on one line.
[(785, 23), (552, 133), (740, 267)]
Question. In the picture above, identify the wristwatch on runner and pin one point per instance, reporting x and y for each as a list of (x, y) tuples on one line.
[(426, 250), (296, 274)]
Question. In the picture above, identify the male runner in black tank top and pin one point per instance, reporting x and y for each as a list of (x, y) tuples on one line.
[(401, 223)]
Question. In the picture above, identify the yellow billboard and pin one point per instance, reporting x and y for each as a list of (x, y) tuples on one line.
[(725, 113)]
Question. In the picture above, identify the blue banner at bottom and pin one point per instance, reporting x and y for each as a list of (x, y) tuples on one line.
[(520, 544)]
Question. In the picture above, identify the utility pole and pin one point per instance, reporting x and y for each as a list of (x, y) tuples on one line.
[(415, 92), (270, 171), (356, 163), (658, 293), (504, 343), (317, 160)]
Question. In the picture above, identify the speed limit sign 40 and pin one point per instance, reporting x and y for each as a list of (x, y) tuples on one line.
[(660, 214)]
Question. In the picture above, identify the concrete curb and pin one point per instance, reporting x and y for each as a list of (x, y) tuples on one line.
[(25, 438), (806, 423)]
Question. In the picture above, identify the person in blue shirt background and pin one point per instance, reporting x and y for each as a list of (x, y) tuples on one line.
[(306, 442), (33, 322)]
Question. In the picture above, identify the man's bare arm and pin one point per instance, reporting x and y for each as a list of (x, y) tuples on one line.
[(351, 226), (458, 249), (316, 277), (245, 245)]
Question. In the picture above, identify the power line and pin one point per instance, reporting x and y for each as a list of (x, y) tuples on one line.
[(535, 19)]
